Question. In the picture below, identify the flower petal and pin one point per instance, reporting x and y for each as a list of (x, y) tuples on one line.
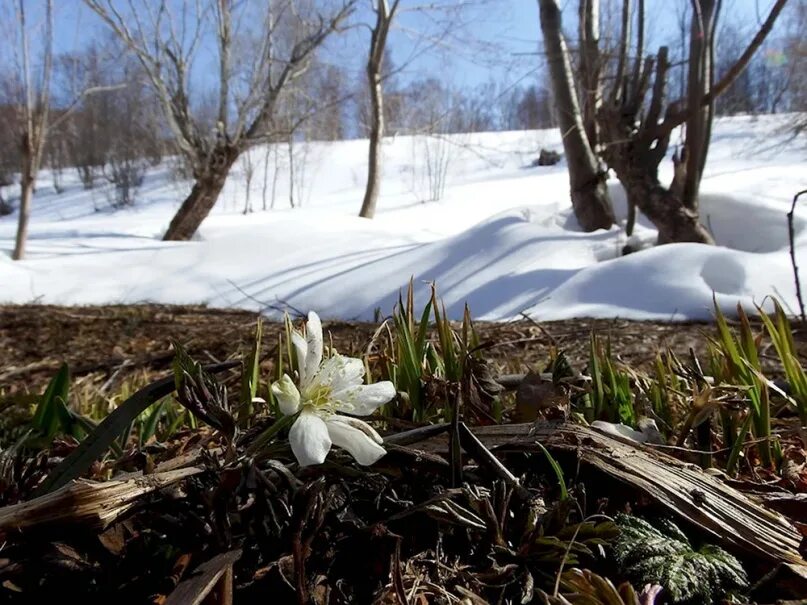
[(356, 424), (357, 437), (339, 373), (300, 348), (351, 374), (363, 400), (313, 337), (309, 438), (287, 395)]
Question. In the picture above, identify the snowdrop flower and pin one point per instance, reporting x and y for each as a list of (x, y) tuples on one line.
[(327, 387)]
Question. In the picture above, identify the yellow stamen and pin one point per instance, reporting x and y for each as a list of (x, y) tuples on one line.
[(319, 397)]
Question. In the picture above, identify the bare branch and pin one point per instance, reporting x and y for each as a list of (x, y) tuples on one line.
[(624, 40), (730, 76), (223, 19), (638, 64), (71, 108), (175, 106), (296, 66)]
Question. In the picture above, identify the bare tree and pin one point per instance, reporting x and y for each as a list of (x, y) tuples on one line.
[(637, 122), (248, 168), (524, 108), (439, 119), (384, 13), (274, 151), (292, 165), (115, 133), (589, 193), (447, 23), (327, 90), (34, 118), (78, 134), (480, 109), (795, 51), (34, 122), (56, 156), (248, 90), (9, 147), (394, 102), (436, 153), (796, 47), (740, 97)]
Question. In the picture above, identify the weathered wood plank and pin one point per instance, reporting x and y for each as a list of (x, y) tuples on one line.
[(685, 490)]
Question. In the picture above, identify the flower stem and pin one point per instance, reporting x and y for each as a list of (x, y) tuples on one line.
[(267, 435)]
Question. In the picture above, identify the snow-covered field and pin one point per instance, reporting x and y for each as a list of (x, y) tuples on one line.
[(502, 238)]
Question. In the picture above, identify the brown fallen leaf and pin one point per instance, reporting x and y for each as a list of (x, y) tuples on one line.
[(536, 395)]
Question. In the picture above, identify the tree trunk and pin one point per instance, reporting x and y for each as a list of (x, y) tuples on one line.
[(275, 174), (665, 209), (27, 183), (635, 154), (378, 42), (290, 145), (376, 133), (589, 34), (636, 167), (265, 176), (26, 193), (590, 199), (699, 82), (203, 196), (194, 209)]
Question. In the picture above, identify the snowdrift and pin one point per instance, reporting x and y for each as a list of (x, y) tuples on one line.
[(502, 237)]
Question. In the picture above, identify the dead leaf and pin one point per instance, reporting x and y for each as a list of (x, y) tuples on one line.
[(114, 539), (535, 395)]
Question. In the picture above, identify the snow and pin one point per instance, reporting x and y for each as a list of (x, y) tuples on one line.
[(502, 238)]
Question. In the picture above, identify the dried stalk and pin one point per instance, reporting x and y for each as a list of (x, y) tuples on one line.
[(791, 237), (88, 502)]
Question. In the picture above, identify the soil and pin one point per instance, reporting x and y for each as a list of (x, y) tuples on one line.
[(100, 343)]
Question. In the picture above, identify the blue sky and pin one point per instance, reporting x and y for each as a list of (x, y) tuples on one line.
[(507, 30), (513, 28), (511, 25)]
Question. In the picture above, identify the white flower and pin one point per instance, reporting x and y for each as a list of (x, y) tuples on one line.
[(327, 387)]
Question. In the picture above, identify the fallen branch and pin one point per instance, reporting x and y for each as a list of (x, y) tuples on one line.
[(88, 502)]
